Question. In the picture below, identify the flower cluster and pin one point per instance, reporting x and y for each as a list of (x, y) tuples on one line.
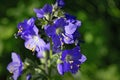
[(51, 32)]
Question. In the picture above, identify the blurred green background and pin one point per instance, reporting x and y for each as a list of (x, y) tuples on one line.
[(100, 30)]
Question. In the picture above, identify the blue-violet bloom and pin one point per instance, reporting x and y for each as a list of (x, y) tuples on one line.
[(47, 9), (29, 32), (71, 61), (56, 31), (15, 66), (27, 28), (35, 43)]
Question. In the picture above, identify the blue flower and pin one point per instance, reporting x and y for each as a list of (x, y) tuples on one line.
[(35, 43), (47, 9), (60, 3), (27, 28), (15, 66), (55, 31), (71, 61)]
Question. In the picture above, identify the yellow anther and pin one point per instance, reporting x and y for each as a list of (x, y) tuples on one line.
[(33, 49), (11, 71), (19, 31)]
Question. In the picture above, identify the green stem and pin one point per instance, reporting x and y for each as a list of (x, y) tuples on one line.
[(51, 48), (46, 64)]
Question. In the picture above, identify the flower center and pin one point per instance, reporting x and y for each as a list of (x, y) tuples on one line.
[(20, 30), (59, 30), (68, 58)]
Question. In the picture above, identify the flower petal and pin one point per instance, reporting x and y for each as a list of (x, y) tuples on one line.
[(16, 58), (60, 68)]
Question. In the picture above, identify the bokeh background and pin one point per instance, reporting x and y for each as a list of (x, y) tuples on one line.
[(100, 32)]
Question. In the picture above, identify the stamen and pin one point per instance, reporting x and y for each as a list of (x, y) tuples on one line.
[(20, 30), (66, 37), (71, 62), (61, 41), (33, 49)]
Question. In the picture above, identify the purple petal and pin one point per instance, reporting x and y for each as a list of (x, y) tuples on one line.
[(60, 68), (40, 52), (83, 58), (70, 28), (60, 22), (31, 21), (50, 30), (47, 8), (15, 76), (74, 68), (64, 54), (78, 23), (16, 58), (56, 41), (68, 39), (39, 12), (35, 29), (66, 66)]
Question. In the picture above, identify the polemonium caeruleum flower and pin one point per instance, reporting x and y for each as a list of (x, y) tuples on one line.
[(47, 9), (27, 28), (15, 66), (55, 31), (71, 61), (29, 32), (35, 43)]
